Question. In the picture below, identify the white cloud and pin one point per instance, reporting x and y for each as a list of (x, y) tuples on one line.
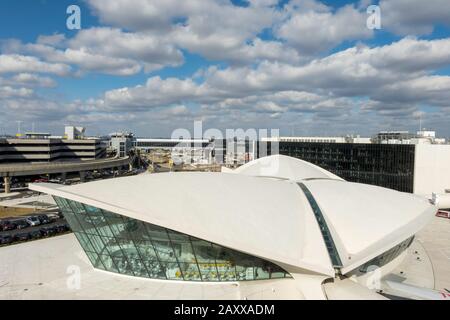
[(312, 27), (262, 78), (321, 86), (414, 17), (10, 63), (104, 50), (431, 90), (33, 80), (149, 50), (54, 40), (204, 17), (28, 80), (202, 27), (10, 92)]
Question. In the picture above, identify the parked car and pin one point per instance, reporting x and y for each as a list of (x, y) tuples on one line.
[(443, 214), (53, 217), (44, 232), (43, 219), (60, 228), (21, 224), (33, 221), (5, 239), (47, 231), (7, 225), (35, 234), (22, 236)]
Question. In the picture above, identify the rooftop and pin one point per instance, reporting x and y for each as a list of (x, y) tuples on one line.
[(364, 220)]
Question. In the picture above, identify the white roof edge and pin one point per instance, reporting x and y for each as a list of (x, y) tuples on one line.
[(44, 187), (391, 240), (294, 162), (380, 218)]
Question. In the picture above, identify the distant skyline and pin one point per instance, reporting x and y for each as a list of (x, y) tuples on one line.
[(306, 67)]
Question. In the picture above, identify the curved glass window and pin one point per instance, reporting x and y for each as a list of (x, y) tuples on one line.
[(123, 245), (326, 234), (387, 257)]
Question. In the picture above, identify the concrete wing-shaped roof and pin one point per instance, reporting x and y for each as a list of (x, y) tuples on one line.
[(279, 166), (267, 218), (365, 220)]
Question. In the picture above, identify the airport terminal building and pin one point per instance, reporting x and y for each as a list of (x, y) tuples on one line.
[(283, 221)]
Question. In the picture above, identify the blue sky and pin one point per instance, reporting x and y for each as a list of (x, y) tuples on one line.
[(302, 66)]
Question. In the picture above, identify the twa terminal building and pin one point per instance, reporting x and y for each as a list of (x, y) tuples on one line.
[(275, 228)]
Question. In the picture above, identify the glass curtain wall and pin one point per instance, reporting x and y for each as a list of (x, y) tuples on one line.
[(384, 165), (123, 245)]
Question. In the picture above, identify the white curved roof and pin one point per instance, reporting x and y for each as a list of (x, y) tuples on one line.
[(222, 208), (279, 166), (264, 217), (367, 220)]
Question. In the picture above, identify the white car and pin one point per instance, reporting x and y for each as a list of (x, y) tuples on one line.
[(52, 217), (33, 221)]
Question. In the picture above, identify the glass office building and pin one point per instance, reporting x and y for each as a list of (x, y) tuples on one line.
[(385, 165), (123, 245)]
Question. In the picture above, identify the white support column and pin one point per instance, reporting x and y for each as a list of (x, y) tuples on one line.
[(7, 184)]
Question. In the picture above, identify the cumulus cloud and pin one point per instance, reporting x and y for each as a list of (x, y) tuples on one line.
[(414, 17), (263, 61), (55, 40), (10, 63), (312, 27), (204, 17), (203, 27), (147, 49), (380, 73), (104, 50), (28, 80), (10, 92)]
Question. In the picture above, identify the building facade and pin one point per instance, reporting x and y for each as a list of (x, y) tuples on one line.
[(74, 133), (49, 150), (182, 151), (128, 246), (121, 143), (386, 165)]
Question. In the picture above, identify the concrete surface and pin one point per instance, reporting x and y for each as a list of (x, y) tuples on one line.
[(435, 239), (42, 201), (28, 271), (428, 261), (44, 269)]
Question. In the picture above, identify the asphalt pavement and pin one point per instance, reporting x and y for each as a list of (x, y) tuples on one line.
[(30, 229)]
